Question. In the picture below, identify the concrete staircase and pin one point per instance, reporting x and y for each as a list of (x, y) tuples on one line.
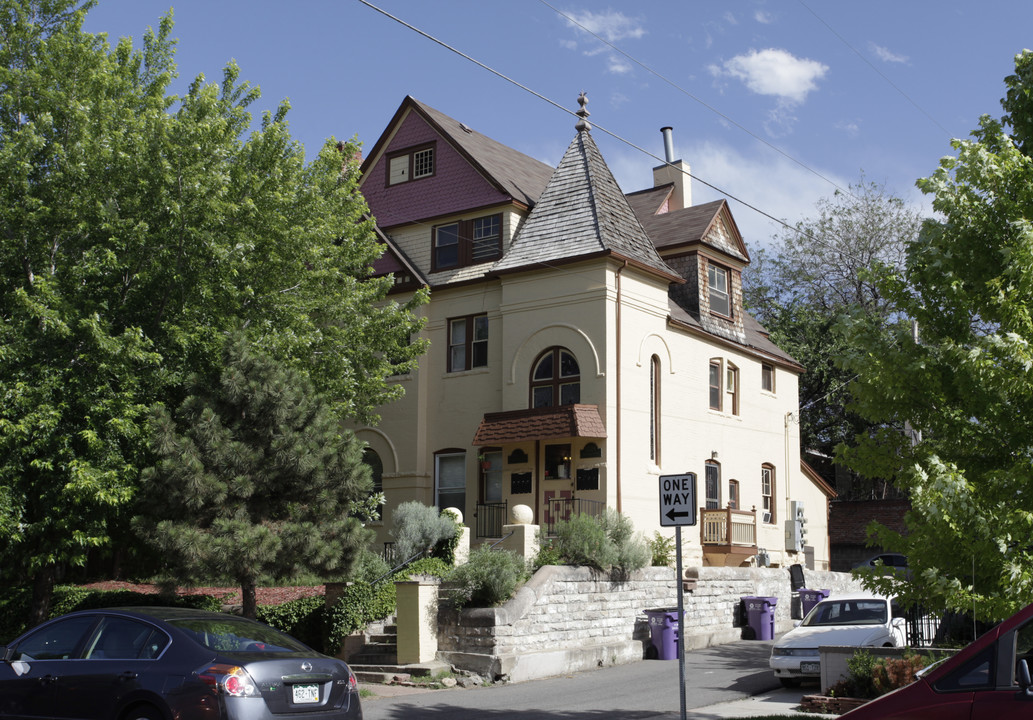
[(377, 661)]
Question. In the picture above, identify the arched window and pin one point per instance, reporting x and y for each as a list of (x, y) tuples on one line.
[(654, 409), (376, 471), (555, 379)]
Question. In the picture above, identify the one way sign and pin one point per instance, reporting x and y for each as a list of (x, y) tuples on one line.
[(677, 500)]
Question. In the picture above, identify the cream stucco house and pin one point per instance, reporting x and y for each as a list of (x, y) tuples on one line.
[(583, 342)]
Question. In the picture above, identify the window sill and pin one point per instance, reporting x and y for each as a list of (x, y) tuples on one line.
[(466, 373)]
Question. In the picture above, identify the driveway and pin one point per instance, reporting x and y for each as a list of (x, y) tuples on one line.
[(646, 689)]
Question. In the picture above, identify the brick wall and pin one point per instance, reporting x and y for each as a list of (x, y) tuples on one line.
[(569, 619)]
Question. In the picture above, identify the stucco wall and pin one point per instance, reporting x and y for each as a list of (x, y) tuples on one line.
[(569, 619)]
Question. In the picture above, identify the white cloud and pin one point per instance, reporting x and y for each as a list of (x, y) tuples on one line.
[(764, 18), (611, 26), (886, 55), (774, 72)]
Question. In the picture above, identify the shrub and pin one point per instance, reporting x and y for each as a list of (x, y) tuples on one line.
[(488, 579), (547, 554), (304, 618), (608, 542), (661, 548), (892, 673), (420, 528)]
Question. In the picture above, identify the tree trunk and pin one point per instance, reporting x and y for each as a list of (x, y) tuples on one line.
[(248, 600), (42, 591)]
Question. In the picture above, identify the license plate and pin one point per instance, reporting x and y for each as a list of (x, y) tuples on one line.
[(306, 694), (810, 668)]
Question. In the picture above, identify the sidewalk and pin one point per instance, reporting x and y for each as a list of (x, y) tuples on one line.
[(776, 702)]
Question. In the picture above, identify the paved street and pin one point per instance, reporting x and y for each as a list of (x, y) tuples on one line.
[(647, 689)]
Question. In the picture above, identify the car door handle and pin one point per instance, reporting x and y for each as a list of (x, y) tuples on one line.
[(127, 675), (47, 679)]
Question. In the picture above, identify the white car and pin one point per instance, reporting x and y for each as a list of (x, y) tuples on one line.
[(852, 621)]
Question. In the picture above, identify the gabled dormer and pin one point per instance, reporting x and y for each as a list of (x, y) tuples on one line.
[(448, 197)]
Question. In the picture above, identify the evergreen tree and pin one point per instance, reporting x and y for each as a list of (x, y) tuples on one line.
[(255, 480)]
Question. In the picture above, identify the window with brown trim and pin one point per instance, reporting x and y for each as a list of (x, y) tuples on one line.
[(733, 494), (467, 343), (410, 164), (712, 485), (715, 384), (555, 379), (732, 388), (467, 242), (767, 492), (718, 287), (767, 377)]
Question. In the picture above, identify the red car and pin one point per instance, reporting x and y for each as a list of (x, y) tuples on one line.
[(990, 678)]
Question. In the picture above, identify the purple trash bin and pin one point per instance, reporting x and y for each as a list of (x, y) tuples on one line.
[(663, 632), (810, 598), (761, 614)]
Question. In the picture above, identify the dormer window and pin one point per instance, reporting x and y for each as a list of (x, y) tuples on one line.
[(717, 280), (411, 164)]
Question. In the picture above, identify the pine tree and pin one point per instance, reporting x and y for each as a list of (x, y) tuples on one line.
[(255, 480)]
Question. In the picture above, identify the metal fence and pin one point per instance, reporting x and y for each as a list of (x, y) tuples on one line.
[(490, 518), (560, 509)]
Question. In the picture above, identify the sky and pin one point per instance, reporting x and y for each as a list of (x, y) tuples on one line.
[(775, 104)]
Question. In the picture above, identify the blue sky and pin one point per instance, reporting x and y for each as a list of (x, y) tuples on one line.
[(775, 103)]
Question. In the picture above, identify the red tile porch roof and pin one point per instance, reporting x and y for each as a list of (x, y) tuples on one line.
[(540, 424)]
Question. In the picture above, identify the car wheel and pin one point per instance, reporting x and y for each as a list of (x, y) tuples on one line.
[(143, 712), (789, 682)]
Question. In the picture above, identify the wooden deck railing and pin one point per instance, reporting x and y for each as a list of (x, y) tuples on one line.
[(728, 529)]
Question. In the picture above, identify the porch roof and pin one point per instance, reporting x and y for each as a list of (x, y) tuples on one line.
[(540, 424)]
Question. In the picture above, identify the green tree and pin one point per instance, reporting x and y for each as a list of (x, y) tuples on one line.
[(816, 272), (966, 383), (137, 229), (255, 480)]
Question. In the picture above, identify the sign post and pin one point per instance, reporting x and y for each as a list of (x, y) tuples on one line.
[(678, 508)]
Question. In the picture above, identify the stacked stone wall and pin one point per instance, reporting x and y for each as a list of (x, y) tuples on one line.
[(568, 619)]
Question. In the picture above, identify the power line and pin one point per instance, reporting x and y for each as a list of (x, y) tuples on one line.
[(880, 73), (682, 90)]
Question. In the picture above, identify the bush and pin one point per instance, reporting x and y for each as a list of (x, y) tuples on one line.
[(304, 619), (419, 528), (604, 543), (490, 578), (661, 548), (547, 554), (871, 677)]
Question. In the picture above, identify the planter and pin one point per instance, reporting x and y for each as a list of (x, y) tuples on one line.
[(830, 705)]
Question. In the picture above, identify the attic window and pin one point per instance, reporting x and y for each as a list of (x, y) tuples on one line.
[(717, 280), (410, 164)]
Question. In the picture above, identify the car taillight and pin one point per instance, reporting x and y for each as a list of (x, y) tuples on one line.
[(228, 680)]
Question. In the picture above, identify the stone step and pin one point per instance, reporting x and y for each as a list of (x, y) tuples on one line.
[(383, 639), (388, 673), (365, 658)]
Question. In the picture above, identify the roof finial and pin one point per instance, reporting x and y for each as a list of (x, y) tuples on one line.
[(582, 113)]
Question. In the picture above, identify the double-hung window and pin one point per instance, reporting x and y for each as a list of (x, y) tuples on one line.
[(450, 480), (467, 343), (467, 242), (767, 377), (732, 388), (717, 280), (715, 384), (767, 492)]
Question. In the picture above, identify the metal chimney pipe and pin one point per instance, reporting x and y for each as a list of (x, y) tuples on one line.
[(668, 133)]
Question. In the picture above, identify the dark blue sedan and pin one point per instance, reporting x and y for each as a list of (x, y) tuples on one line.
[(169, 664)]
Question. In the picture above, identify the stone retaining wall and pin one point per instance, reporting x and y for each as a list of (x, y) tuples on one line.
[(567, 619)]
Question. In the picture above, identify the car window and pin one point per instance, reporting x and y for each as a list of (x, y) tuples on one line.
[(231, 635), (125, 639), (57, 641), (848, 612), (976, 674), (1023, 648)]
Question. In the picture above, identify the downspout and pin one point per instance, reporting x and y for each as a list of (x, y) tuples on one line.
[(787, 516), (618, 383)]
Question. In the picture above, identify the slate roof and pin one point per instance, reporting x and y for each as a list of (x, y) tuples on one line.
[(582, 212), (518, 175), (540, 424), (756, 335)]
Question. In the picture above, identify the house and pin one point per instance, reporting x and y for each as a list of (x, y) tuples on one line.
[(583, 343)]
